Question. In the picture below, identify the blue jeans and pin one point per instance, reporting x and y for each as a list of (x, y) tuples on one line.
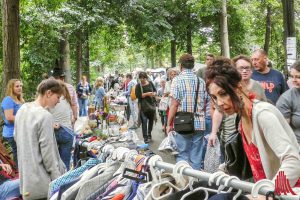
[(13, 146), (10, 189), (206, 132), (64, 139), (190, 148), (83, 103)]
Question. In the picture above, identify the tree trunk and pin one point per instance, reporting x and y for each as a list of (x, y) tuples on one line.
[(189, 35), (11, 41), (268, 29), (65, 55), (86, 55), (189, 40), (224, 31), (173, 53), (78, 56), (152, 58), (289, 25)]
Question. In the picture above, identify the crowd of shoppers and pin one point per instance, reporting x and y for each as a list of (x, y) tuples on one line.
[(225, 96)]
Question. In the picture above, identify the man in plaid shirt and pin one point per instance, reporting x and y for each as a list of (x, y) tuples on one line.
[(183, 94)]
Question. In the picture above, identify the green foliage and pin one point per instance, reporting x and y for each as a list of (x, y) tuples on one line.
[(125, 34)]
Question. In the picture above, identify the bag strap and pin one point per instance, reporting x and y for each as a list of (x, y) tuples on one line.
[(196, 98), (237, 121)]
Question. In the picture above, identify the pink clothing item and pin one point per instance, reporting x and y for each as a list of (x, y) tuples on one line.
[(73, 94)]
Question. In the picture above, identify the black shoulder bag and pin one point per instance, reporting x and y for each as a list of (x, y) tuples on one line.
[(184, 121), (236, 160)]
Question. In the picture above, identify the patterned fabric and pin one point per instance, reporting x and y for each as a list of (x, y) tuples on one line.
[(183, 89), (71, 175), (254, 158), (73, 94)]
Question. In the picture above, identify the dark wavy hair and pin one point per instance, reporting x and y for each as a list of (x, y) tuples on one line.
[(223, 73)]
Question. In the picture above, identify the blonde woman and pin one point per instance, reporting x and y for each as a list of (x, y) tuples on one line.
[(10, 105), (99, 93), (83, 91)]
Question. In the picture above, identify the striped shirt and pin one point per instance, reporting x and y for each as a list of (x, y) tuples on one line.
[(73, 94), (183, 89)]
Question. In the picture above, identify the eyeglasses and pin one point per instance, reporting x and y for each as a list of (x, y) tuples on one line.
[(294, 77), (242, 68)]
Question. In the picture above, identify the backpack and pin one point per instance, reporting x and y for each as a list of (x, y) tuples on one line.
[(132, 93)]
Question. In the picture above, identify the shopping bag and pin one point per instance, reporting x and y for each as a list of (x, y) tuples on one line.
[(212, 157), (169, 144)]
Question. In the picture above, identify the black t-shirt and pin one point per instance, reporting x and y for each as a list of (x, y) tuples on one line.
[(146, 88)]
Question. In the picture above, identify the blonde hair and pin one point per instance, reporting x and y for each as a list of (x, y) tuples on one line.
[(10, 91), (99, 82)]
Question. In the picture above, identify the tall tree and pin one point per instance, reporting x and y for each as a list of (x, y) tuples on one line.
[(224, 31), (64, 50), (86, 58), (288, 22), (173, 53), (268, 29), (78, 55), (11, 41)]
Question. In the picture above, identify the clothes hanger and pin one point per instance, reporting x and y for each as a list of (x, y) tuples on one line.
[(179, 180), (264, 183), (218, 182), (212, 177), (206, 190), (229, 180), (196, 190)]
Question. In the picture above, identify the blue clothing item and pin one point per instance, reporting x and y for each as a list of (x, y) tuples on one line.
[(65, 187), (7, 104), (183, 89), (64, 138), (134, 188), (190, 148), (71, 175), (83, 89), (83, 103), (272, 82), (99, 95), (10, 189), (129, 87), (12, 143)]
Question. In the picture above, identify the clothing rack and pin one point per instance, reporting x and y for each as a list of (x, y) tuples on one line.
[(261, 187)]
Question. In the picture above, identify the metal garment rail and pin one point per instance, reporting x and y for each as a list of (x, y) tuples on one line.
[(236, 184)]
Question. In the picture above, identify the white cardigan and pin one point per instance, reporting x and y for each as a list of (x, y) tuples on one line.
[(276, 142)]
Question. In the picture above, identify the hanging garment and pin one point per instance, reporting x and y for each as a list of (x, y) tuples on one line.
[(86, 176), (91, 186), (70, 176)]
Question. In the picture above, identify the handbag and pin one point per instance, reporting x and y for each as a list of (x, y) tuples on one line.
[(184, 121), (163, 104), (236, 160)]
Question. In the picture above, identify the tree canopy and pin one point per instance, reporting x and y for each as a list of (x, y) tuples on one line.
[(108, 35)]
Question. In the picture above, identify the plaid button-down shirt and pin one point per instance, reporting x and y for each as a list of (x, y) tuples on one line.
[(183, 89)]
